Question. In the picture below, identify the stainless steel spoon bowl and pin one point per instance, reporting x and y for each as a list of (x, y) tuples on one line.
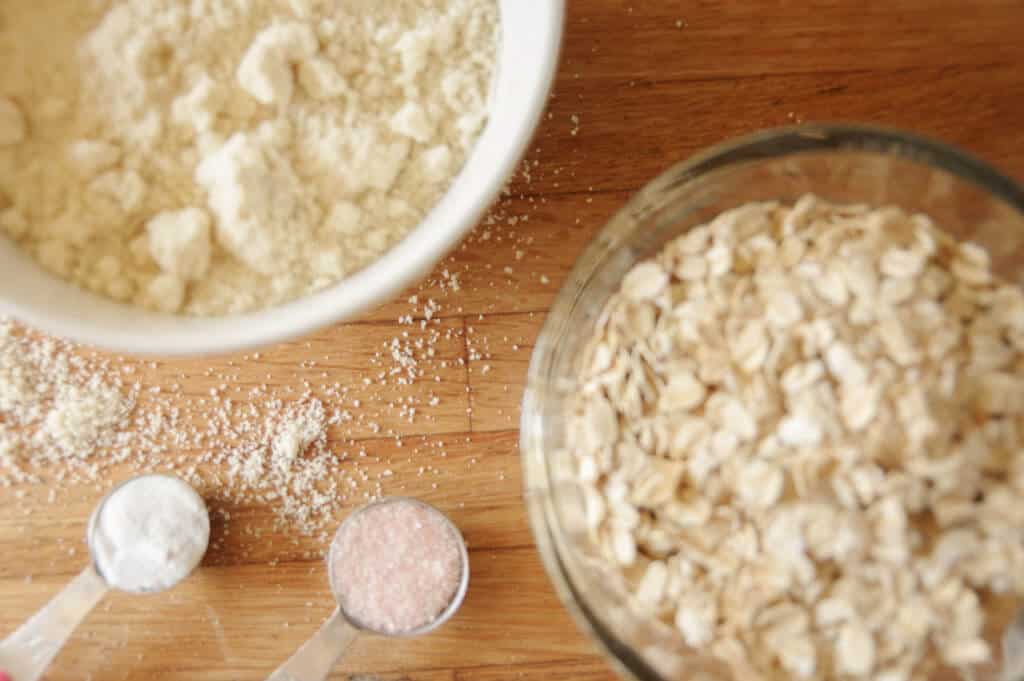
[(314, 660)]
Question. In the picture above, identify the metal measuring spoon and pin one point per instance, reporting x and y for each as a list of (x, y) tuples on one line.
[(316, 657), (28, 651)]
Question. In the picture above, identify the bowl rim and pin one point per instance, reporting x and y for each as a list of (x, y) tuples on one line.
[(142, 333), (538, 478)]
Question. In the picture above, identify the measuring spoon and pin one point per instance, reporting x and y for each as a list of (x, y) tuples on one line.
[(314, 660), (28, 651)]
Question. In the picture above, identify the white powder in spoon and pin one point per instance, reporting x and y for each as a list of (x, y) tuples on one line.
[(150, 534)]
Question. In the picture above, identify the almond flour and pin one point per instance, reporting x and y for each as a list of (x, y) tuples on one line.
[(56, 406), (215, 157)]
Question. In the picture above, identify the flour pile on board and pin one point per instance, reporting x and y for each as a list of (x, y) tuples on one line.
[(55, 405), (288, 466)]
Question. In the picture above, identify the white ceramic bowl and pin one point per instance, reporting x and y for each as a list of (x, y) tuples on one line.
[(531, 34)]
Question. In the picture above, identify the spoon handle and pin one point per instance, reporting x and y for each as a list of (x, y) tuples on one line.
[(29, 650), (314, 660)]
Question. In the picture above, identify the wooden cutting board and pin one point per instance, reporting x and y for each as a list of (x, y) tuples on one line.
[(641, 85)]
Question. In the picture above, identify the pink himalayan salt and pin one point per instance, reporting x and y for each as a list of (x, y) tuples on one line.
[(396, 566)]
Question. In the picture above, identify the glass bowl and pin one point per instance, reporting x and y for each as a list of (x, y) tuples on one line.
[(841, 163)]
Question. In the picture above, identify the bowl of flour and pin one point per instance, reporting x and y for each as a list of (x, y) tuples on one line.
[(184, 178)]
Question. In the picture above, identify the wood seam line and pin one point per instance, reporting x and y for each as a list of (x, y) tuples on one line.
[(469, 387), (726, 78)]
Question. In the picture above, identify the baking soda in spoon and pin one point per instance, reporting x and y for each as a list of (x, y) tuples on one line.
[(150, 535), (146, 535), (397, 568)]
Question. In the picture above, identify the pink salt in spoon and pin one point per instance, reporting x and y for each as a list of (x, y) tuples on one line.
[(397, 568)]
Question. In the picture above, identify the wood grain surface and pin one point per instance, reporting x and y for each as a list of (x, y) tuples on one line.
[(641, 85)]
